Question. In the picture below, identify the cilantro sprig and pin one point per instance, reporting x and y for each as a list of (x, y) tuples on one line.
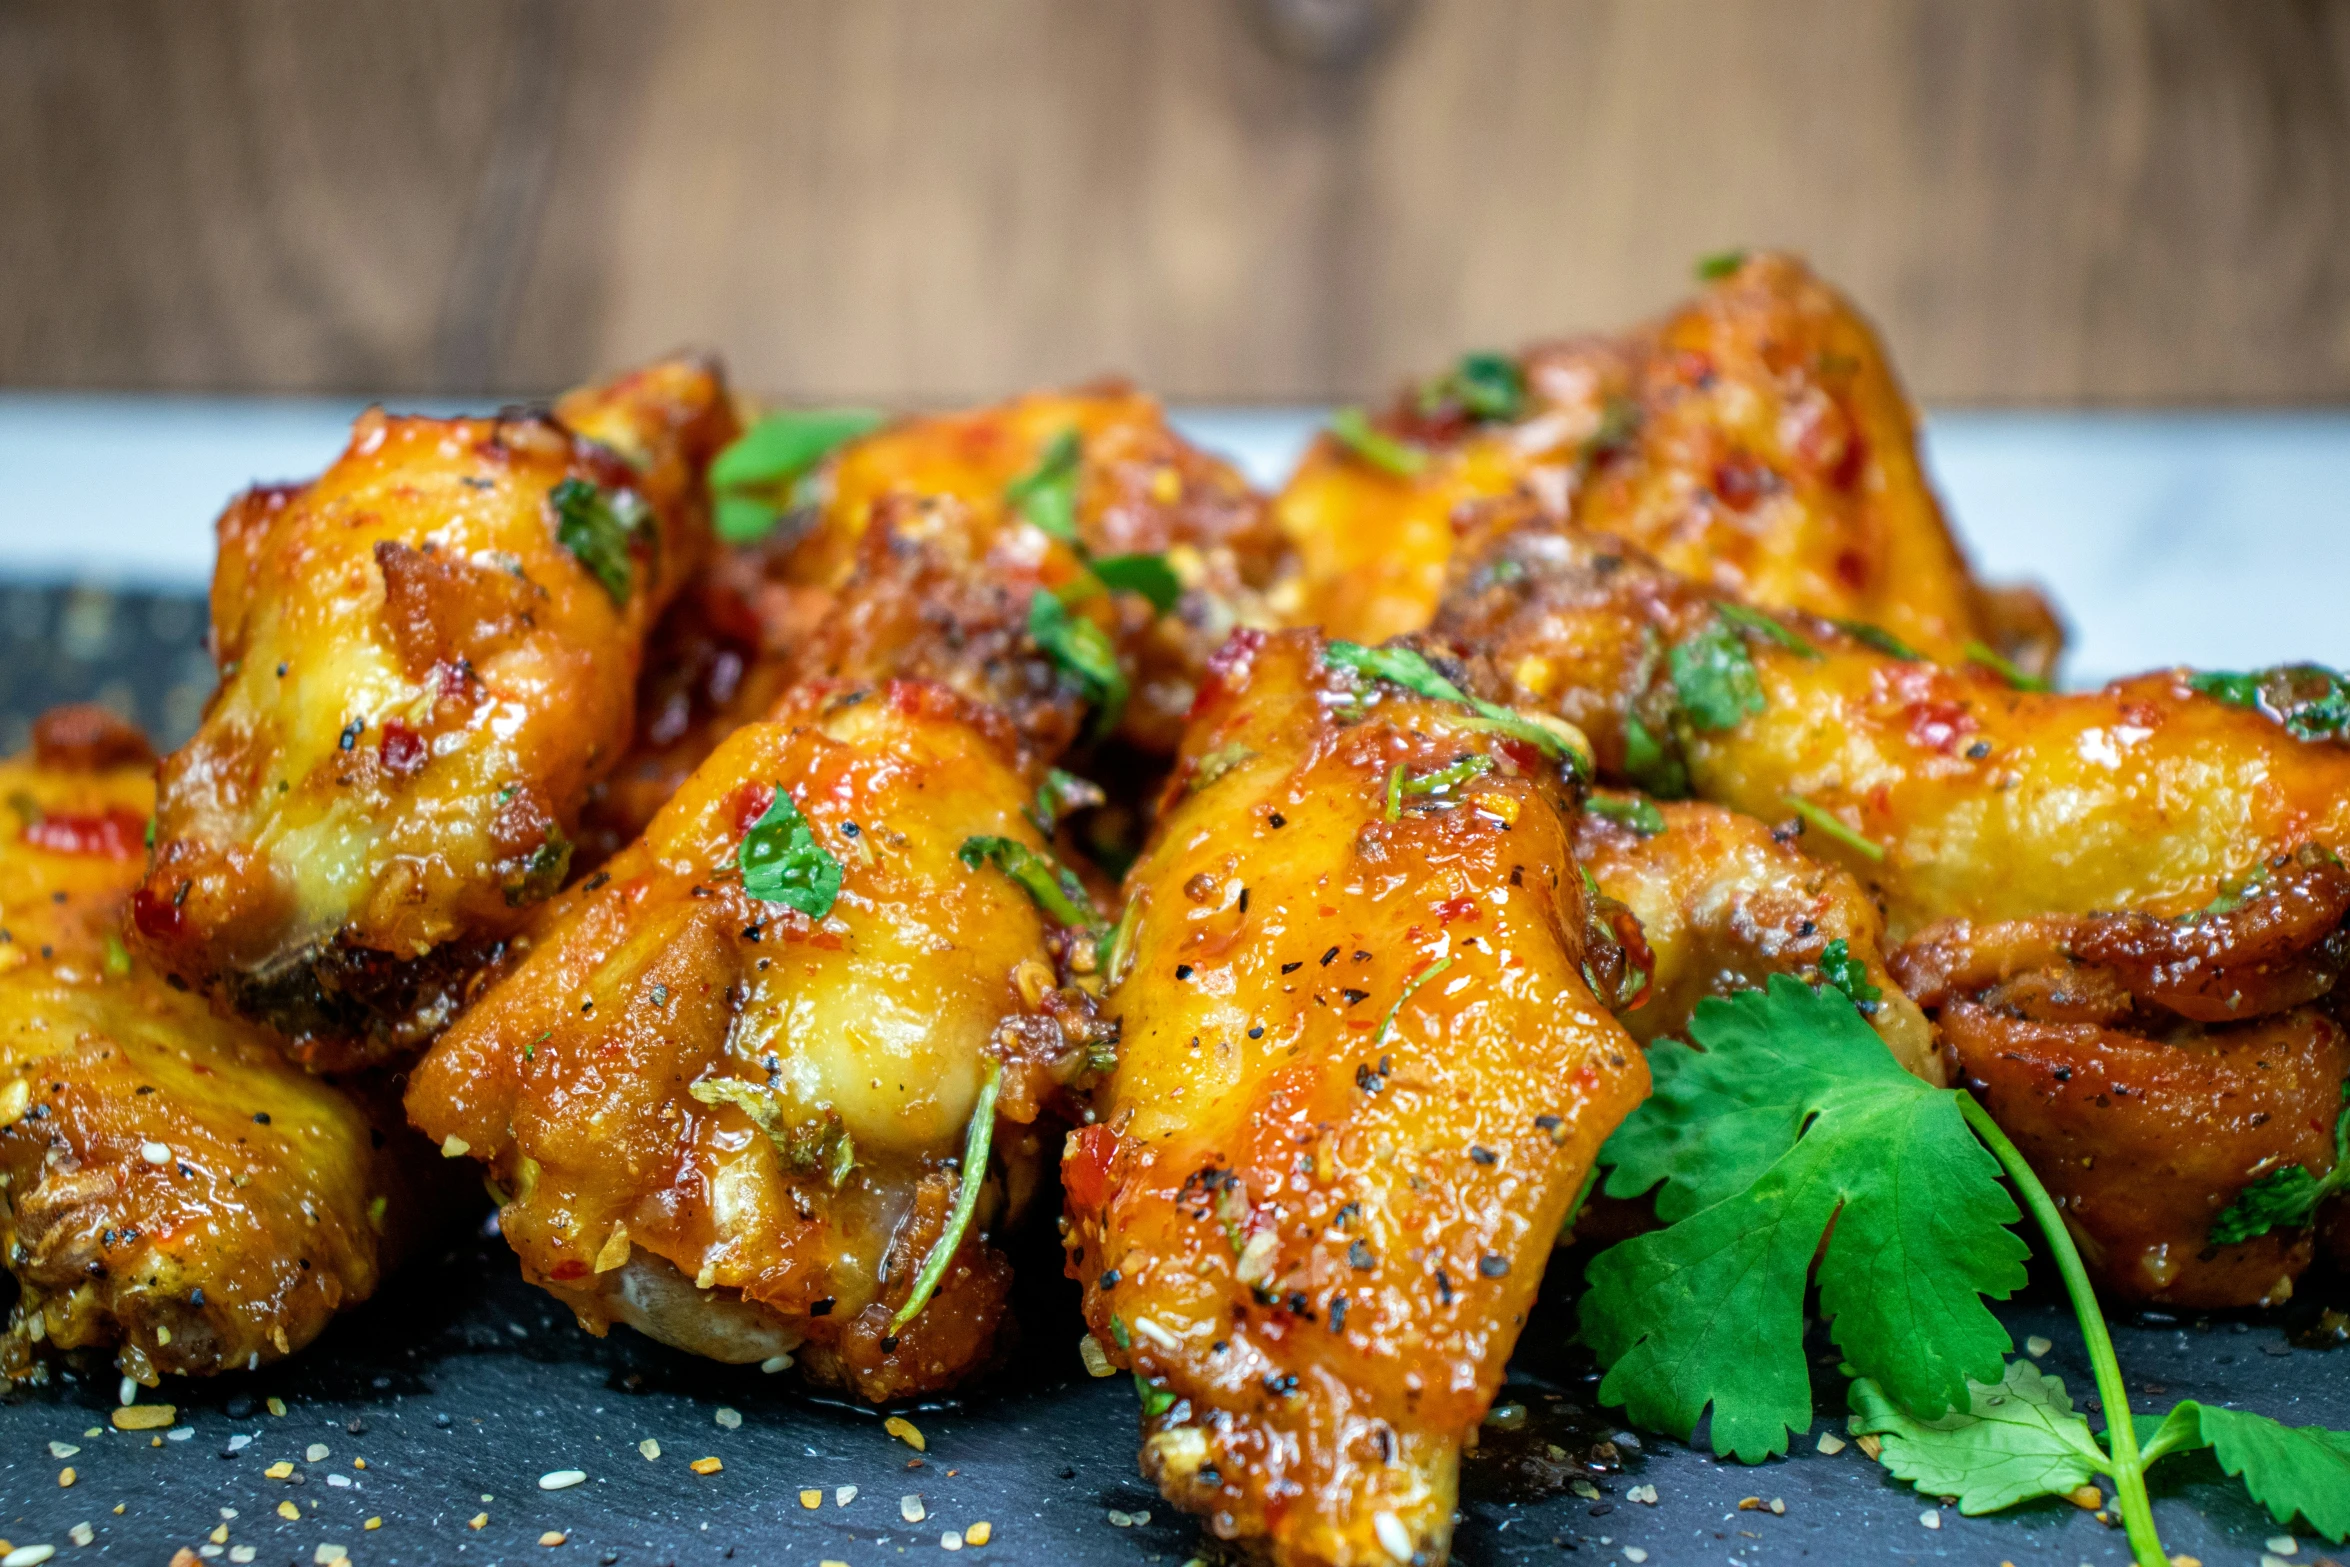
[(783, 863), (2286, 1198), (600, 527), (1054, 887), (1083, 652), (1047, 493), (2310, 700), (753, 481), (1403, 667), (1792, 1118)]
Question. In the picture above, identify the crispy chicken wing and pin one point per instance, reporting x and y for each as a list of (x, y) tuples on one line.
[(1724, 903), (2159, 860), (427, 655), (1361, 1080), (1755, 440), (736, 1126), (170, 1185)]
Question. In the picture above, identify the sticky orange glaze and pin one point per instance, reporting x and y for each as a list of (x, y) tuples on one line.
[(1755, 440), (420, 681), (1361, 1080), (1142, 489), (664, 1084), (174, 1189)]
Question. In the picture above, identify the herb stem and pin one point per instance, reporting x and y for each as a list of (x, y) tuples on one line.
[(976, 1139), (1828, 822), (2121, 1432)]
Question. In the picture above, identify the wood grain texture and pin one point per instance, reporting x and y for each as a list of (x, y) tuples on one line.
[(912, 200)]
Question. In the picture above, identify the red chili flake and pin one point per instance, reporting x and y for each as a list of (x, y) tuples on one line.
[(1739, 481), (1939, 725), (569, 1268), (155, 915), (1461, 908), (749, 804), (403, 750), (117, 834), (1085, 1166)]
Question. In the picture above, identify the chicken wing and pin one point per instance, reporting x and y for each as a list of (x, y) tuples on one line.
[(1723, 903), (754, 1112), (2159, 859), (427, 656), (170, 1185), (1755, 440), (1362, 1078)]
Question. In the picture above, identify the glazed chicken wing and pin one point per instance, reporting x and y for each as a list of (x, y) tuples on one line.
[(2158, 861), (728, 1111), (1361, 1080), (170, 1186), (428, 655), (1756, 440)]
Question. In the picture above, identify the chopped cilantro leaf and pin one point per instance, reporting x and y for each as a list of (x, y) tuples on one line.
[(1653, 763), (597, 526), (1719, 265), (1082, 650), (1847, 973), (2004, 667), (783, 863), (1401, 666), (1058, 795), (1381, 451), (2017, 1439), (1055, 888), (2286, 1198), (1714, 677), (1487, 387), (1148, 575), (1763, 625), (2310, 700), (1156, 1401), (1879, 638), (1631, 810), (2288, 1469), (749, 479), (1793, 1116), (543, 873), (1047, 493)]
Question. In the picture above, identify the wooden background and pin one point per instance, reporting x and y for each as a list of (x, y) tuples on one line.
[(912, 200)]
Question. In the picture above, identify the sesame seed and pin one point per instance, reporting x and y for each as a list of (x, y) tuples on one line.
[(553, 1537), (950, 1541), (1931, 1518), (1394, 1538), (775, 1363), (562, 1479), (28, 1556), (81, 1534), (729, 1419), (155, 1153), (315, 1452), (2036, 1346)]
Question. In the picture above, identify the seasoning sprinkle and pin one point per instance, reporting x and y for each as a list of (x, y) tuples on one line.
[(650, 1448), (811, 1500), (843, 1495), (289, 1511), (903, 1429), (979, 1533), (910, 1508), (562, 1479), (705, 1466), (553, 1537), (728, 1418)]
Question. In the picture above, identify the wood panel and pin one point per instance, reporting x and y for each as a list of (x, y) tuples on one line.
[(2042, 200)]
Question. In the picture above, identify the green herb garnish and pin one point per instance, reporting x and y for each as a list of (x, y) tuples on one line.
[(598, 526), (1882, 640), (1652, 763), (1148, 575), (1384, 452), (1849, 974), (2310, 700), (543, 872), (1156, 1401), (1791, 1118), (1631, 810), (1401, 666), (2286, 1198), (1055, 887), (809, 1145), (1826, 821), (976, 1138), (1400, 783), (783, 863), (1719, 265), (1083, 652), (2004, 667), (1715, 678), (753, 477), (1057, 796), (1488, 387), (1047, 493), (1763, 625)]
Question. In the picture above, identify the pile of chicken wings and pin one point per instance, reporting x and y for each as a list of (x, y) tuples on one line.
[(1038, 820)]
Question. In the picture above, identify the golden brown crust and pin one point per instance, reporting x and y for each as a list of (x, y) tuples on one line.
[(616, 1080), (420, 680), (169, 1185), (1361, 1079)]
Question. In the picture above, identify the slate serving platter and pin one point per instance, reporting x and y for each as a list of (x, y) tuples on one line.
[(460, 1387)]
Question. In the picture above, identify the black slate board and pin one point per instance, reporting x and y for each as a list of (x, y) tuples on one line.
[(460, 1383)]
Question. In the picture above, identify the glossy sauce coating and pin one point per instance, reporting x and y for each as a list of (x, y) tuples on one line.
[(420, 679), (1755, 441), (669, 1085), (1361, 1080), (170, 1187)]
